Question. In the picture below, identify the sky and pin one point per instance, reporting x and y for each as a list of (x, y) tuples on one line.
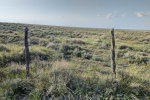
[(120, 14)]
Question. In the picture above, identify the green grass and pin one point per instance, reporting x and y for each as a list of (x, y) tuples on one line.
[(58, 73)]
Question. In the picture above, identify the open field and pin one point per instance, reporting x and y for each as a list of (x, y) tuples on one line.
[(69, 63)]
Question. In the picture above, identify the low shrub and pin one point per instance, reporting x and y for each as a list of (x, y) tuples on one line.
[(4, 48), (15, 39), (17, 57), (53, 83), (34, 41), (57, 56), (121, 53), (53, 46), (138, 58), (87, 56), (18, 88), (125, 47), (145, 40), (66, 50), (95, 58), (40, 55), (77, 52), (51, 38), (69, 50), (3, 61), (57, 41), (81, 42), (20, 57), (16, 69), (43, 43), (104, 45), (3, 74)]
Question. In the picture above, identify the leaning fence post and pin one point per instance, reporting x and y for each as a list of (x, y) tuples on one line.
[(26, 52), (113, 63)]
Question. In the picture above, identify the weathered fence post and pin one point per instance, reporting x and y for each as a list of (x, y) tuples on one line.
[(26, 52), (113, 63)]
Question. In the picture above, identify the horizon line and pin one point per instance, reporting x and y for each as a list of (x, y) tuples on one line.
[(76, 26)]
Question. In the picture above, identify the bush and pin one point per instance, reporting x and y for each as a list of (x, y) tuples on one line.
[(69, 50), (96, 58), (66, 50), (81, 42), (87, 56), (15, 39), (18, 88), (125, 47), (40, 55), (57, 56), (105, 45), (53, 83), (138, 58), (34, 41), (3, 61), (121, 53), (16, 69), (3, 48), (53, 46), (43, 43), (57, 41), (51, 39), (3, 74), (77, 52), (145, 40), (17, 57), (20, 57)]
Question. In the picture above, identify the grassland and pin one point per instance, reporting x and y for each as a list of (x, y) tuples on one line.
[(69, 63)]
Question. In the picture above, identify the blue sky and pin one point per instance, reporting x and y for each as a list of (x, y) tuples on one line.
[(121, 14)]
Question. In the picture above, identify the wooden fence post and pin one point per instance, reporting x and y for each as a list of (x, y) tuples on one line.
[(26, 52), (113, 63)]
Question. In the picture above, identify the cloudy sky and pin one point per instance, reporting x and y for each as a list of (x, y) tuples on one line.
[(121, 14)]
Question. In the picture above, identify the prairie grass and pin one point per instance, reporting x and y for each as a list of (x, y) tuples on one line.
[(85, 73)]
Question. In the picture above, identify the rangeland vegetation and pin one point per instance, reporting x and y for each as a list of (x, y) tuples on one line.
[(69, 63)]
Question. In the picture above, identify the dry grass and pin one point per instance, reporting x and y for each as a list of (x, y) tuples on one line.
[(77, 78)]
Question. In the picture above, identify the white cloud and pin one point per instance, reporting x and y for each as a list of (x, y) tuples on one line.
[(108, 16), (100, 15), (112, 15), (123, 15), (141, 14)]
